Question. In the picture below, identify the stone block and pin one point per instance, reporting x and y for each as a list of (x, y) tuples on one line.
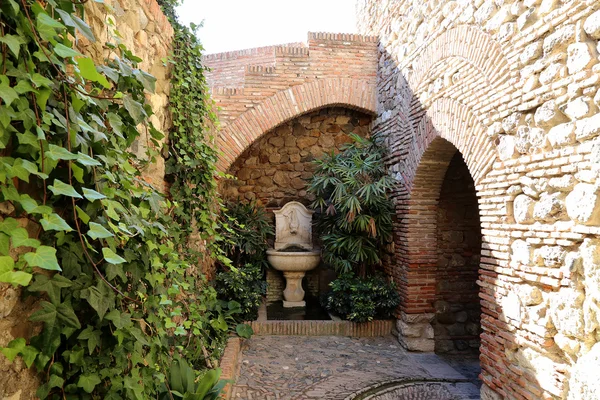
[(583, 204), (523, 209), (530, 295), (548, 114), (587, 128), (591, 26), (584, 382), (521, 252), (559, 39), (580, 56), (566, 312), (547, 208), (562, 135), (506, 147)]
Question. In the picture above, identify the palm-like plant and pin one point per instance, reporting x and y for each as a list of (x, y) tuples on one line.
[(350, 190)]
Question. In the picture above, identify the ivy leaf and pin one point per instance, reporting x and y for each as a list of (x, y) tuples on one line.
[(111, 257), (97, 231), (147, 80), (7, 93), (49, 21), (54, 222), (120, 320), (29, 354), (134, 108), (61, 188), (93, 337), (65, 313), (44, 257), (8, 225), (88, 382), (32, 207), (86, 160), (99, 297), (16, 278), (6, 263), (92, 195), (47, 314), (14, 348), (59, 153), (82, 215), (51, 286), (77, 172), (20, 237), (87, 68), (4, 243), (13, 42), (63, 51), (84, 28)]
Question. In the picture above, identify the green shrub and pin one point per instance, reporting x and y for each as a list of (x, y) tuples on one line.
[(360, 300), (350, 190), (244, 285), (245, 231)]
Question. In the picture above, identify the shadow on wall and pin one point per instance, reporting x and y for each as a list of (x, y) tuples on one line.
[(450, 283)]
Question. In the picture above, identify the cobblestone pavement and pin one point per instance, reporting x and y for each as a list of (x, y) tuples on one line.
[(300, 367)]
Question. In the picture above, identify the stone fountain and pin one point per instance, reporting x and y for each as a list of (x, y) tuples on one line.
[(293, 253)]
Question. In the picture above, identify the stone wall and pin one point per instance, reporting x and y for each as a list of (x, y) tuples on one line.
[(146, 31), (457, 311), (513, 85), (275, 169)]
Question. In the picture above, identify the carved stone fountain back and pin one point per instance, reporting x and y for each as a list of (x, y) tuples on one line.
[(293, 226)]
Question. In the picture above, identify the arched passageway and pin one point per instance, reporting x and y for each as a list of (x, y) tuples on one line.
[(457, 310), (440, 246)]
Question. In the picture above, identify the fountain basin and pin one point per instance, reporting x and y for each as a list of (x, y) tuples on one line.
[(294, 265)]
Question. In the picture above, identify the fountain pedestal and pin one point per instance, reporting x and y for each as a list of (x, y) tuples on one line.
[(293, 253), (293, 293)]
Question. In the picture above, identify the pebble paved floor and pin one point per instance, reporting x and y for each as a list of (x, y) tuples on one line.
[(299, 367)]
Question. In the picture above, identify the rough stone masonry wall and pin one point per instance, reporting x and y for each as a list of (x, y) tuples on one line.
[(277, 167), (148, 34), (513, 85)]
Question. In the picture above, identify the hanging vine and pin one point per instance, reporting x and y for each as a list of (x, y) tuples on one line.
[(191, 166), (82, 230)]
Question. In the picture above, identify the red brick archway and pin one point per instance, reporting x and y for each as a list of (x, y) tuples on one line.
[(288, 104)]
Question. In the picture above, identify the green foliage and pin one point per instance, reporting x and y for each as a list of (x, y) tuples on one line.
[(245, 285), (360, 300), (350, 190), (244, 233), (190, 165), (120, 298), (185, 385)]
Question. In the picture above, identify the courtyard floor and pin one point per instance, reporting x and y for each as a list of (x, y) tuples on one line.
[(328, 367)]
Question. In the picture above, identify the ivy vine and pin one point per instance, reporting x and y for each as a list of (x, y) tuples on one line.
[(191, 166), (80, 227)]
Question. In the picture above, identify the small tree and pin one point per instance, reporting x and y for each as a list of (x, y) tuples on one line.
[(351, 189)]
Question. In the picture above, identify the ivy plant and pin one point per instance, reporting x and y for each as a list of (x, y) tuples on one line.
[(82, 229)]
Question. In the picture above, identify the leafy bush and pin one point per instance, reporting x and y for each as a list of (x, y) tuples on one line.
[(185, 385), (245, 231), (350, 190), (360, 300), (244, 285)]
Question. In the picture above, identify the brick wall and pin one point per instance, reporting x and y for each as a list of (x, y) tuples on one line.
[(457, 311), (512, 85), (259, 89)]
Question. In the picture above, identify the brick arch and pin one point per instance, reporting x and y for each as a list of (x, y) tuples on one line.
[(288, 104), (447, 127), (469, 43)]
